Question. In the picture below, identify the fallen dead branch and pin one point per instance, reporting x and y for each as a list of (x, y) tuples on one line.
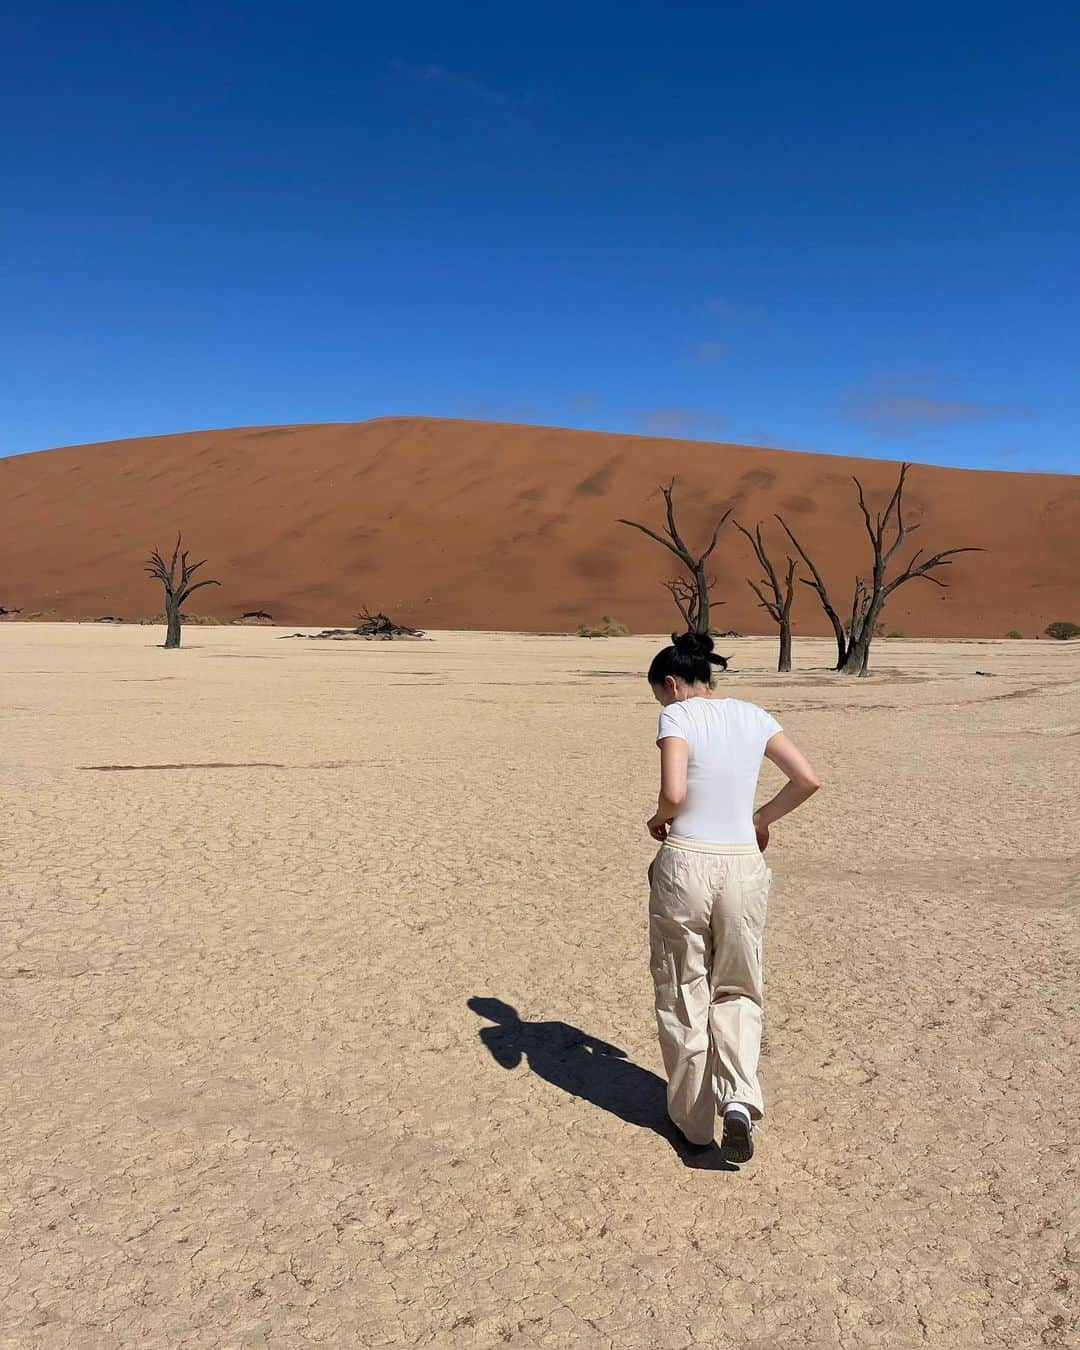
[(371, 628)]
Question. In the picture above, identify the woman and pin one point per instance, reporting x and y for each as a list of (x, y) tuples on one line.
[(709, 889)]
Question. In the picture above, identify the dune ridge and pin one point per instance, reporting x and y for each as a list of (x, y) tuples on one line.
[(496, 526)]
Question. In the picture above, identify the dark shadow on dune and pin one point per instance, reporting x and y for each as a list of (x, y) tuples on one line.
[(586, 1067)]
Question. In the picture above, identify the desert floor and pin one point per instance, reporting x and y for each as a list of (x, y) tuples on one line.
[(248, 1103)]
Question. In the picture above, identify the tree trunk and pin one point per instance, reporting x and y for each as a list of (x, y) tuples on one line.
[(701, 584), (858, 653), (785, 645), (857, 661), (172, 636), (841, 641)]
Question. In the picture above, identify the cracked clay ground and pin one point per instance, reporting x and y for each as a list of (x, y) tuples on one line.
[(351, 1044)]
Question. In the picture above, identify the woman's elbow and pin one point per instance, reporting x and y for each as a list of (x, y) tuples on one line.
[(810, 783)]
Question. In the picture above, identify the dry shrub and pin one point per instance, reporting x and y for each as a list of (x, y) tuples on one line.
[(607, 627)]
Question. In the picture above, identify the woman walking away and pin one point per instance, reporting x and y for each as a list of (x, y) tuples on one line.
[(709, 889)]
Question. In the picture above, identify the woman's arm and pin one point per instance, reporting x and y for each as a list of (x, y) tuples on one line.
[(802, 783), (674, 756)]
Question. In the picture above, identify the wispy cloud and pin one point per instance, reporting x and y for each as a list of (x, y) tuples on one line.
[(681, 422), (724, 309), (453, 84), (499, 410), (896, 403), (730, 318)]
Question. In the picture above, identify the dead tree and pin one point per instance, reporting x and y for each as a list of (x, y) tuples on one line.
[(685, 596), (869, 598), (379, 626), (779, 605), (178, 586), (693, 596), (818, 585), (370, 628)]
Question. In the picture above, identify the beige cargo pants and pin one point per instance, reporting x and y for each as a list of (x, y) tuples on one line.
[(706, 921)]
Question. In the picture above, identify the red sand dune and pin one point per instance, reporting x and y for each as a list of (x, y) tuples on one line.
[(452, 523)]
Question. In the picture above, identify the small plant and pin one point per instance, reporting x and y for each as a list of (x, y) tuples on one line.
[(1062, 630), (898, 634), (1014, 633), (607, 627), (40, 614)]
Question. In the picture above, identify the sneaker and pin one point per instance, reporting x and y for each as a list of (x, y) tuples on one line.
[(738, 1141)]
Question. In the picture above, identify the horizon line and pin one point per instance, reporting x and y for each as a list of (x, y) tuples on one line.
[(530, 426)]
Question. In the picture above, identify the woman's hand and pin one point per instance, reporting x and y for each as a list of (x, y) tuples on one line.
[(658, 827), (762, 832)]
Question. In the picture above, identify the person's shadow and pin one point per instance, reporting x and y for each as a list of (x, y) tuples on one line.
[(585, 1067)]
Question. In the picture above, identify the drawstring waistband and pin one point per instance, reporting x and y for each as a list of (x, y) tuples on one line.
[(707, 846)]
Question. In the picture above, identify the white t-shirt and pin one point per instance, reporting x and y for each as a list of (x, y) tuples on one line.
[(727, 739)]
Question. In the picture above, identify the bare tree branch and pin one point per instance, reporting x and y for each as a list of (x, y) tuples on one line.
[(818, 584), (682, 593), (869, 600), (672, 529), (779, 607), (942, 559), (770, 605), (192, 589), (715, 533), (177, 587), (679, 553), (696, 614)]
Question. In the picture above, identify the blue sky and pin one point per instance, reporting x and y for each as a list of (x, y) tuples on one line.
[(838, 227)]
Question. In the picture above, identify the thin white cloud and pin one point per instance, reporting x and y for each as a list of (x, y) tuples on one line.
[(895, 403), (723, 309), (686, 423), (449, 84)]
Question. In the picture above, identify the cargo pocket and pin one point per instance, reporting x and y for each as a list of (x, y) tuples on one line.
[(756, 883)]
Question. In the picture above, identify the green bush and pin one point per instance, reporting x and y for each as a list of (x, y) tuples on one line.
[(1062, 630), (607, 627), (199, 620), (40, 614), (898, 634), (1014, 633)]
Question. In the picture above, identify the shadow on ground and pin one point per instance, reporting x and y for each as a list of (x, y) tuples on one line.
[(586, 1067)]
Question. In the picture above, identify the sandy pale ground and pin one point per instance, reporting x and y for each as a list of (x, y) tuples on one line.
[(251, 887)]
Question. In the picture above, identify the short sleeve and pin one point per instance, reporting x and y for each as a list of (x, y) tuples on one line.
[(671, 724), (769, 725)]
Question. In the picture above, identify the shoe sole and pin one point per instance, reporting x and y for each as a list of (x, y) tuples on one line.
[(738, 1145)]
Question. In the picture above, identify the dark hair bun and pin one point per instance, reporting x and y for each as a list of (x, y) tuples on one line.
[(692, 644), (697, 647)]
